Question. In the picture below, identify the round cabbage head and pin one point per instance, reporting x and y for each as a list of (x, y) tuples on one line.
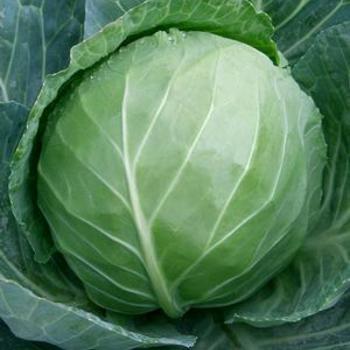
[(176, 173)]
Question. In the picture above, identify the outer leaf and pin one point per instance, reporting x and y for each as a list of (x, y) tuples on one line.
[(98, 13), (298, 22), (212, 333), (13, 116), (40, 319), (328, 330), (30, 37), (31, 34), (320, 273), (9, 341)]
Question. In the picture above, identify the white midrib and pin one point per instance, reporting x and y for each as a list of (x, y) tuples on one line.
[(160, 287)]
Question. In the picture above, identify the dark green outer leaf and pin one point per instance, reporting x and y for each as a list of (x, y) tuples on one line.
[(98, 13), (9, 341), (32, 32), (39, 319), (328, 330), (13, 116), (298, 22), (320, 273)]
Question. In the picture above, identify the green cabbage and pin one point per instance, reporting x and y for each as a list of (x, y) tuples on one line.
[(184, 160)]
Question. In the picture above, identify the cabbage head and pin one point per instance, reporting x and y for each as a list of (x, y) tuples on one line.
[(184, 161)]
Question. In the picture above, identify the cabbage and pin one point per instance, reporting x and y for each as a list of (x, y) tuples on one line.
[(184, 160), (174, 173)]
